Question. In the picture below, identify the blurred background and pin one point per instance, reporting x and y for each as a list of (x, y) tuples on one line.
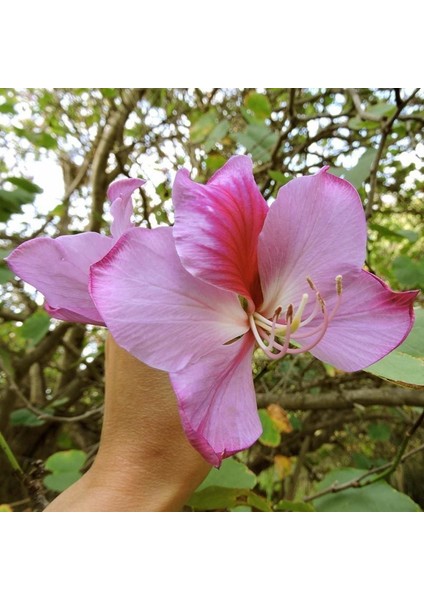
[(59, 151)]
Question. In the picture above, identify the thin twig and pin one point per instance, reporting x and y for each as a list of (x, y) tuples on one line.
[(31, 481), (382, 471), (298, 468), (386, 130), (43, 415), (10, 456)]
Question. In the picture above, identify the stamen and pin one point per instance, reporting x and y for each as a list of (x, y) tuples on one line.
[(267, 324), (339, 290), (258, 338), (312, 315), (283, 349), (289, 312), (311, 284), (321, 301), (274, 321), (266, 331), (298, 316), (316, 341)]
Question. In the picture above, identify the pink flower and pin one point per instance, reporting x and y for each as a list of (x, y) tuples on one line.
[(231, 274), (59, 268)]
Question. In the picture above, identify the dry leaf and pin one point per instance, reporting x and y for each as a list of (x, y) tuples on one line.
[(279, 416), (282, 466)]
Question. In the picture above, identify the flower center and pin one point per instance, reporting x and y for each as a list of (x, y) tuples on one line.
[(273, 335)]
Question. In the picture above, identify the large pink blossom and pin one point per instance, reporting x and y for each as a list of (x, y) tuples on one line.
[(59, 268), (233, 274)]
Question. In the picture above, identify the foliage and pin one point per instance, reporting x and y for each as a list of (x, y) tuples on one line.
[(65, 468), (378, 497), (372, 137)]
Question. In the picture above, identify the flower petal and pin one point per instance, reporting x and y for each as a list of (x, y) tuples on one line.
[(119, 193), (316, 228), (155, 309), (217, 226), (68, 315), (371, 322), (59, 269), (217, 402)]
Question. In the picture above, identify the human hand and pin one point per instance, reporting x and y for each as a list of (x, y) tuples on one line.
[(145, 462)]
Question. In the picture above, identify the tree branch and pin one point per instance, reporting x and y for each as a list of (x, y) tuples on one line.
[(383, 471), (112, 132), (383, 396)]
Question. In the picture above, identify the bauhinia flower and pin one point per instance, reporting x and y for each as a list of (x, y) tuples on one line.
[(59, 268), (232, 275)]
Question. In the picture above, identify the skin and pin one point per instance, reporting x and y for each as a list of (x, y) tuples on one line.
[(145, 462)]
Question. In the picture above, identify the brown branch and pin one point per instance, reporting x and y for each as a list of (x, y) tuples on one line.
[(8, 315), (386, 130), (383, 396), (43, 350), (298, 468), (40, 413), (112, 132), (37, 386), (363, 114)]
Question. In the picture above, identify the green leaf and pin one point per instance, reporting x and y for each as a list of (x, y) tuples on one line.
[(7, 108), (405, 365), (45, 140), (201, 128), (231, 474), (270, 435), (258, 104), (14, 199), (5, 507), (39, 139), (357, 124), (377, 497), (5, 275), (6, 361), (414, 343), (410, 235), (109, 92), (409, 272), (279, 178), (381, 109), (215, 161), (395, 235), (216, 135), (289, 506), (219, 498), (68, 460), (379, 432), (35, 327), (65, 467), (400, 368), (295, 422), (258, 502), (25, 418), (258, 139), (358, 174), (25, 184)]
